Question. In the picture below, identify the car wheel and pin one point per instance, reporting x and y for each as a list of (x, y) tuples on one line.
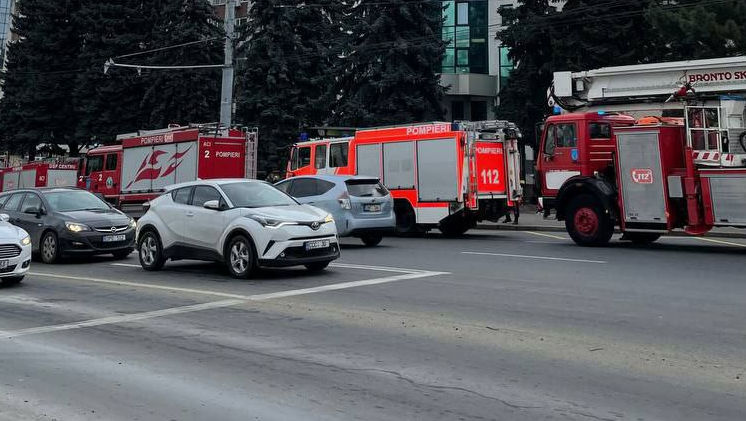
[(371, 240), (317, 267), (6, 282), (49, 248), (150, 251), (121, 254), (240, 257)]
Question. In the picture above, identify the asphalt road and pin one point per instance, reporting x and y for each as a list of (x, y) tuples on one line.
[(503, 326)]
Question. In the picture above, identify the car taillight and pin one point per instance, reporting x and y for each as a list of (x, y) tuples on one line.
[(344, 201)]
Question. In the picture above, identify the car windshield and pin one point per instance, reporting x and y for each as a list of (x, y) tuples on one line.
[(74, 200), (256, 195)]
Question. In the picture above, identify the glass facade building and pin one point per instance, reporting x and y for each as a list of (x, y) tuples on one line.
[(465, 31), (6, 21)]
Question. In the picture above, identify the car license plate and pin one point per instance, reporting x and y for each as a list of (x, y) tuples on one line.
[(3, 264), (317, 244), (114, 238), (371, 208)]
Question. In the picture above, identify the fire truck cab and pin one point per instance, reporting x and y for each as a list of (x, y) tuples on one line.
[(676, 159), (444, 175)]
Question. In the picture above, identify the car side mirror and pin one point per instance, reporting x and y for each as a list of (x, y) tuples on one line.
[(4, 217), (34, 211), (212, 204)]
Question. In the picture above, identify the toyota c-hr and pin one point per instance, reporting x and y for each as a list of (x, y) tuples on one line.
[(243, 223)]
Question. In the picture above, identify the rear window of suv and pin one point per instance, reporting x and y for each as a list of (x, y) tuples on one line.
[(366, 188)]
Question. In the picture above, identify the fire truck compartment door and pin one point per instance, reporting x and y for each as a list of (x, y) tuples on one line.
[(641, 178), (28, 179), (398, 165), (728, 193), (369, 160), (10, 180), (153, 168), (62, 178), (437, 170)]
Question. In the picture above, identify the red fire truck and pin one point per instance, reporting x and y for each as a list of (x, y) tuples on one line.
[(40, 174), (684, 167), (137, 169), (445, 175)]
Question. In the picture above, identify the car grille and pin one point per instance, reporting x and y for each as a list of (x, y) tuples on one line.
[(8, 269), (300, 252), (108, 228), (8, 251)]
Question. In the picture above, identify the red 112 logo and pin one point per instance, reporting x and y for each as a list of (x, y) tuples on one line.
[(642, 175)]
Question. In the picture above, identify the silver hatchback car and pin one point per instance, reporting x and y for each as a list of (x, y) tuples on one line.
[(362, 207)]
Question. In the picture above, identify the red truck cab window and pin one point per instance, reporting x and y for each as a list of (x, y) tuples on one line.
[(338, 154), (94, 164), (320, 158), (599, 131)]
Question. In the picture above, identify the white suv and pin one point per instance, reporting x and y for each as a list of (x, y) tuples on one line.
[(244, 223)]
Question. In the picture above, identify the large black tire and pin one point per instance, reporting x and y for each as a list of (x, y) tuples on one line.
[(317, 267), (587, 221), (240, 258), (455, 226), (406, 219), (122, 254), (641, 238), (371, 240), (49, 248), (150, 251), (15, 280)]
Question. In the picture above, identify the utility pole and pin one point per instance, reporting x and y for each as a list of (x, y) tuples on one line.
[(226, 96)]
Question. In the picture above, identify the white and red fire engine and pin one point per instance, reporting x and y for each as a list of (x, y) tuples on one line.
[(142, 164), (449, 175), (40, 174), (656, 147)]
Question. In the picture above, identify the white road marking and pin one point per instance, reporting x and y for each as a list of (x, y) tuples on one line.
[(727, 243), (541, 234), (336, 265), (126, 265), (236, 299), (521, 256)]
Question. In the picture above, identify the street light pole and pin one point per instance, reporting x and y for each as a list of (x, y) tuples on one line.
[(226, 96)]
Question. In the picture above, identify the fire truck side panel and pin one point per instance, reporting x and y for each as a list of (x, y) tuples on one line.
[(368, 160), (138, 169), (725, 193), (11, 180), (438, 170), (398, 166), (61, 178), (221, 158), (642, 181), (28, 179)]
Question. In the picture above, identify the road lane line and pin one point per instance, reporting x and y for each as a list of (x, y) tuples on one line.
[(521, 256), (126, 265), (541, 234), (727, 243), (236, 299), (336, 265)]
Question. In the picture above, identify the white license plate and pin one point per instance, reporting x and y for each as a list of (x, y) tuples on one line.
[(317, 244), (3, 264), (371, 208), (114, 238)]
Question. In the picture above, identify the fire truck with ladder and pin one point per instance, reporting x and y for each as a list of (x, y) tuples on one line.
[(142, 164), (445, 175), (648, 149)]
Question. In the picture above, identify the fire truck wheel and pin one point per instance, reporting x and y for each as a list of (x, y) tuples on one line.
[(49, 248), (587, 222), (371, 240), (150, 251), (641, 238), (454, 227), (406, 220)]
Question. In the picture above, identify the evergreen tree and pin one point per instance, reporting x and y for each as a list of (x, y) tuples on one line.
[(37, 105), (286, 79), (390, 73), (183, 96)]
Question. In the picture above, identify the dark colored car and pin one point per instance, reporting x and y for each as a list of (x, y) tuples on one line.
[(67, 221)]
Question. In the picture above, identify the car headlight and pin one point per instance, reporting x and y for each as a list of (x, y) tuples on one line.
[(133, 223), (26, 241), (271, 222), (329, 218), (76, 227)]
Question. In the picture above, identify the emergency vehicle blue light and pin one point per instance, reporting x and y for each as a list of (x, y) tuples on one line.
[(557, 109), (303, 137), (602, 113)]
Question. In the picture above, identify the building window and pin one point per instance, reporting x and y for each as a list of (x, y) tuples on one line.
[(465, 32), (478, 110), (506, 66), (457, 110)]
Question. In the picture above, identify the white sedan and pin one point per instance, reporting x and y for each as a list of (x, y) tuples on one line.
[(15, 252), (243, 223)]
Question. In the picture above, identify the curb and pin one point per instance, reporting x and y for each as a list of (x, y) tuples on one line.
[(540, 228)]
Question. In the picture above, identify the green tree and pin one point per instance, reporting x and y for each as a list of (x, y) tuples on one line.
[(37, 102), (390, 71), (286, 79)]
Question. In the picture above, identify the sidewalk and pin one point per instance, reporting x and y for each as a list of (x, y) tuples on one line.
[(532, 221)]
